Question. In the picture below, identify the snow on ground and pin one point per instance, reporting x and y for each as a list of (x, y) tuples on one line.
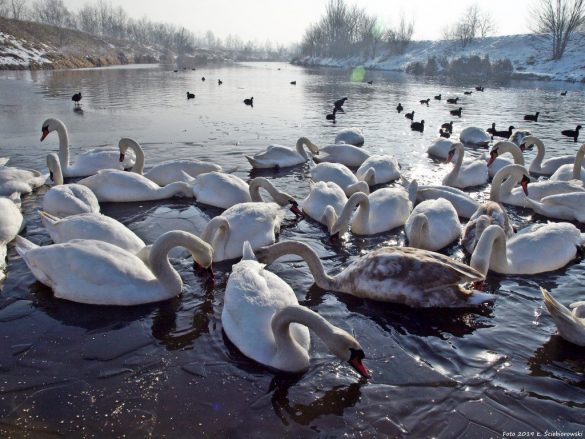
[(16, 52), (529, 54)]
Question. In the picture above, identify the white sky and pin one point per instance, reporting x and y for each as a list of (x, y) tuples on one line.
[(285, 21)]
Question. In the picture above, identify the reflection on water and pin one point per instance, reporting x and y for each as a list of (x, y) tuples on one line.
[(167, 369)]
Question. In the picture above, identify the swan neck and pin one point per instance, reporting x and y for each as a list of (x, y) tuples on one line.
[(358, 199), (138, 167), (301, 150), (217, 234), (536, 164), (578, 163), (260, 182), (514, 150), (54, 166), (418, 228), (273, 252), (499, 186), (178, 188), (490, 251), (63, 144)]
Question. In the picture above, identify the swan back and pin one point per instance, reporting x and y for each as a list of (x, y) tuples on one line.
[(432, 225), (221, 190), (347, 155), (385, 169)]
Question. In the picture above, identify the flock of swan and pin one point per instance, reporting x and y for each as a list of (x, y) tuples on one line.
[(97, 260)]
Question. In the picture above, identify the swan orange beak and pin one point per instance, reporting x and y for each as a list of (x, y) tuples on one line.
[(122, 156), (493, 156), (45, 131), (524, 184), (355, 361)]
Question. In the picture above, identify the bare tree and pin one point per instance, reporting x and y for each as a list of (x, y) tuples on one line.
[(53, 12), (4, 8), (558, 20), (399, 38), (18, 9), (473, 23)]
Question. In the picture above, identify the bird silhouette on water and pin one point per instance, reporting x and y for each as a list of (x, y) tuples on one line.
[(76, 98)]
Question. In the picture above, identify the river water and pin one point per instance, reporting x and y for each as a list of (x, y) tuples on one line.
[(167, 370)]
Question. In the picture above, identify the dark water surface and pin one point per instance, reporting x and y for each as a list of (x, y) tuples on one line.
[(167, 370)]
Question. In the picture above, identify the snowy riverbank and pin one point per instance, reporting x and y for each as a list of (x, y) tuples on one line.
[(529, 56)]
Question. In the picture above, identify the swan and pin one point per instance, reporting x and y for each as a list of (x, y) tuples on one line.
[(100, 273), (92, 226), (378, 169), (11, 223), (571, 172), (340, 175), (347, 155), (278, 156), (490, 212), (504, 192), (468, 174), (432, 225), (383, 210), (167, 172), (546, 167), (495, 163), (535, 249), (474, 136), (67, 199), (570, 325), (262, 317), (463, 203), (414, 277), (351, 136), (220, 190), (569, 206), (18, 180), (257, 222), (440, 148), (113, 185), (518, 136), (87, 163)]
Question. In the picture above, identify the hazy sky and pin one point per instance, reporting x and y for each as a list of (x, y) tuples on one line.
[(285, 20)]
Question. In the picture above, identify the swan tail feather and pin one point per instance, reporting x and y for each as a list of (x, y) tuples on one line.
[(23, 245), (232, 170), (4, 160), (555, 308), (248, 251), (478, 297), (251, 160), (412, 189)]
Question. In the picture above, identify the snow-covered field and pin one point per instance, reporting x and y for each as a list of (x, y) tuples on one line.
[(14, 52), (529, 54)]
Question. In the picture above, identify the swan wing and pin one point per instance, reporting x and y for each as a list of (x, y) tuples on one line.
[(175, 170), (221, 190), (570, 328)]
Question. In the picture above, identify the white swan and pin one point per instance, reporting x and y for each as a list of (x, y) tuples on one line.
[(220, 190), (570, 324), (432, 225), (67, 199), (535, 249), (87, 163), (379, 169), (474, 136), (167, 172), (573, 171), (518, 136), (278, 156), (383, 210), (495, 162), (18, 180), (347, 155), (463, 203), (546, 167), (351, 136), (92, 226), (440, 148), (569, 206), (465, 174), (11, 223), (414, 277), (504, 191), (257, 222), (100, 273), (262, 317), (490, 212), (340, 175)]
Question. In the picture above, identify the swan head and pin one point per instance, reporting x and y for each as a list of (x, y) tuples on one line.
[(55, 173), (347, 348), (530, 141), (454, 148), (124, 144), (48, 126)]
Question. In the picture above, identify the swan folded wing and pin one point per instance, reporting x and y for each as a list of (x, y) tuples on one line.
[(569, 326), (94, 272), (96, 159), (572, 203), (253, 296), (175, 170)]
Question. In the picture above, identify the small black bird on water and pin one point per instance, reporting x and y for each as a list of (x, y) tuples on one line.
[(249, 101), (506, 134), (467, 92), (190, 95), (219, 82), (425, 101), (572, 133), (564, 93), (479, 88), (438, 97), (399, 107), (444, 133), (203, 78), (370, 82), (332, 115), (456, 112), (338, 104), (76, 98), (418, 126), (532, 117), (452, 100), (410, 115), (447, 126), (293, 83), (492, 130)]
